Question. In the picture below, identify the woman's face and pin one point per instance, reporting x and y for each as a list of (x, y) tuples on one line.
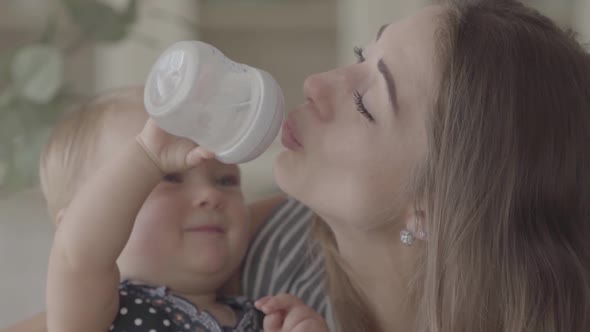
[(351, 147)]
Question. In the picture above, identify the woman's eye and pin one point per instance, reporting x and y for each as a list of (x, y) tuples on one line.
[(360, 107), (358, 52), (228, 181), (173, 178)]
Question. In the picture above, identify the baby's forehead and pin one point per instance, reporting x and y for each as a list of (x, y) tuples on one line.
[(214, 164), (129, 117)]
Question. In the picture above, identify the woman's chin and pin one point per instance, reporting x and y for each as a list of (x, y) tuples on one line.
[(285, 172)]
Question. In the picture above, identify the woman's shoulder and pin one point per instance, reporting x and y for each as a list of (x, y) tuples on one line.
[(283, 257)]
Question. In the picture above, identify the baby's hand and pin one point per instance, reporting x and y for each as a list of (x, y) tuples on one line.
[(287, 313), (171, 153)]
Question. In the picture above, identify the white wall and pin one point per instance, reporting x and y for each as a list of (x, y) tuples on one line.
[(581, 19), (560, 11), (25, 240), (359, 21), (128, 62)]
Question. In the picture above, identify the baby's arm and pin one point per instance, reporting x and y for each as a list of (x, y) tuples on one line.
[(82, 286), (261, 211)]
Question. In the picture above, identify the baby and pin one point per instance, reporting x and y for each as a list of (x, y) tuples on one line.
[(148, 226)]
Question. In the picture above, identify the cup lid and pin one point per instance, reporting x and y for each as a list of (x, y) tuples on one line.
[(265, 126)]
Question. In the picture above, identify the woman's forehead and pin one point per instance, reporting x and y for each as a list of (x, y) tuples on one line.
[(408, 48), (422, 19), (415, 34)]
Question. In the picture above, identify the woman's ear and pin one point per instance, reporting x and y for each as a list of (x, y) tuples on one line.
[(416, 224)]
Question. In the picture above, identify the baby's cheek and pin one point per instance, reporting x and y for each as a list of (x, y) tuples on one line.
[(150, 234), (143, 242), (239, 240), (143, 255)]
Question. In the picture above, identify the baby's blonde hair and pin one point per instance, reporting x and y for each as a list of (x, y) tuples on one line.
[(68, 155)]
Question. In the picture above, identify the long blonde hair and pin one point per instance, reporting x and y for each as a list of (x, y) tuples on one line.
[(506, 180), (349, 304)]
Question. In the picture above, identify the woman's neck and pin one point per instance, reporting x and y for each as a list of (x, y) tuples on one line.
[(382, 267)]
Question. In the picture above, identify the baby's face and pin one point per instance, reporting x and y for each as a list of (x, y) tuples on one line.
[(191, 232), (193, 229)]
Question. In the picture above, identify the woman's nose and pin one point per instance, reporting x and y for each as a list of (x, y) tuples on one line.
[(207, 197), (322, 90)]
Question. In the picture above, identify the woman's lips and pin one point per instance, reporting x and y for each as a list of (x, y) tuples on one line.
[(289, 137)]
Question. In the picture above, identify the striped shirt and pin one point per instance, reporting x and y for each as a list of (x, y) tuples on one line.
[(283, 258)]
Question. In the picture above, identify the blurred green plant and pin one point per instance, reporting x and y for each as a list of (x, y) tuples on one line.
[(32, 90)]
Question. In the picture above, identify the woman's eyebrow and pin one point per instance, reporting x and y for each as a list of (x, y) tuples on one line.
[(383, 27), (390, 83)]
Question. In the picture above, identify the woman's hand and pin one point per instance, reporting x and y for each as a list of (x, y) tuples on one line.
[(287, 313), (170, 153)]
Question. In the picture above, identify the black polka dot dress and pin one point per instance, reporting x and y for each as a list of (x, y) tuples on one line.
[(154, 309)]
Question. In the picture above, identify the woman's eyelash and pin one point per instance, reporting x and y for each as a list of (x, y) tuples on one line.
[(358, 52), (358, 99), (360, 106)]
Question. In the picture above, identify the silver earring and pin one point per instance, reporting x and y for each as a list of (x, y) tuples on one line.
[(407, 237)]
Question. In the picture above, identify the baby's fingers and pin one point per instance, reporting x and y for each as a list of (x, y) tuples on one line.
[(197, 155), (273, 322), (283, 302), (304, 319)]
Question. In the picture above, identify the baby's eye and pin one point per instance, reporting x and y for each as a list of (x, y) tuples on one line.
[(228, 181), (173, 178)]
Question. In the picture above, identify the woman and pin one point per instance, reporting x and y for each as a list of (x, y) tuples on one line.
[(466, 129), (450, 172)]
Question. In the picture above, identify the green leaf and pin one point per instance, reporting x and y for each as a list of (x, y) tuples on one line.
[(99, 21), (131, 12), (37, 72), (11, 125)]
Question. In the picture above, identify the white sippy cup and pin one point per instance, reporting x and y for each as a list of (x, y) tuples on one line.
[(231, 109)]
